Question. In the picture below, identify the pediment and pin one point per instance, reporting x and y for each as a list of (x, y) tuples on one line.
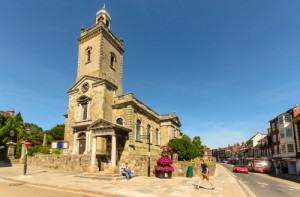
[(177, 121), (81, 81), (101, 124)]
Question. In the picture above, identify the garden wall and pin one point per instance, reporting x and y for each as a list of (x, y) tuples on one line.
[(79, 163), (75, 163)]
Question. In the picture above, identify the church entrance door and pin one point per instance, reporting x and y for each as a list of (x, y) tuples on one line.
[(82, 142)]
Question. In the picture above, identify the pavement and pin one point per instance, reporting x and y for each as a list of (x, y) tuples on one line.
[(225, 183)]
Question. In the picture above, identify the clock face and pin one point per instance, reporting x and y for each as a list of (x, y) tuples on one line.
[(85, 87)]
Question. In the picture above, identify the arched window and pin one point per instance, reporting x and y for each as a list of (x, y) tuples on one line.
[(138, 129), (84, 110), (148, 133), (100, 19), (83, 104), (112, 60), (88, 54), (120, 121), (107, 23)]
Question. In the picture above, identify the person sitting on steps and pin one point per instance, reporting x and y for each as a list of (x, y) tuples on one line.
[(126, 171)]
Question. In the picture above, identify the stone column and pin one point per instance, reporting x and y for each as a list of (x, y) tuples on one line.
[(94, 146), (23, 152), (93, 167), (87, 142), (113, 150), (74, 151), (11, 150), (45, 140)]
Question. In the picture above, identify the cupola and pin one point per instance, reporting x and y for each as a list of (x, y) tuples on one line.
[(103, 16)]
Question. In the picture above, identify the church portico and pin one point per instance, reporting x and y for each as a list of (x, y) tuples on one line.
[(115, 135)]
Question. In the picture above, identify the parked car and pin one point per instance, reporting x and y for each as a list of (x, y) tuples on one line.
[(240, 168)]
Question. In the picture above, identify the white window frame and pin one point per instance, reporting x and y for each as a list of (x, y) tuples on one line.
[(290, 147), (291, 132)]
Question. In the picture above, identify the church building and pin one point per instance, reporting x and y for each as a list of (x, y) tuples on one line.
[(111, 127)]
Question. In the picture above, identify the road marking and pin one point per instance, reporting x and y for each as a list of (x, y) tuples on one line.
[(235, 178), (262, 183), (247, 189)]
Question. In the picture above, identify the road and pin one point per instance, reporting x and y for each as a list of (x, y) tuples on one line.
[(255, 185), (15, 189)]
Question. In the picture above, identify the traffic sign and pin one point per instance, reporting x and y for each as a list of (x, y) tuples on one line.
[(27, 143)]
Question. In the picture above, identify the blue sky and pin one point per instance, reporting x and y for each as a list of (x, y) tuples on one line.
[(225, 67)]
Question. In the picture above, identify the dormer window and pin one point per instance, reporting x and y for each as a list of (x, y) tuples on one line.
[(88, 54), (112, 60), (107, 23)]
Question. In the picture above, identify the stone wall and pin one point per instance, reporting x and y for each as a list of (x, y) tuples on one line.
[(140, 167), (75, 163), (79, 163)]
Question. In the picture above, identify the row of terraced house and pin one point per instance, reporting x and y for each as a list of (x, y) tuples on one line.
[(280, 145)]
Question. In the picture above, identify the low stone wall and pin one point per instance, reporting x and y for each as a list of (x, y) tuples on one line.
[(80, 163), (75, 163)]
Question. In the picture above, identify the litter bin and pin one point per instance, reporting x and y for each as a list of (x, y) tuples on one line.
[(189, 172)]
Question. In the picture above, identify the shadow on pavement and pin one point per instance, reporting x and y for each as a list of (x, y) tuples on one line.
[(5, 164), (37, 172)]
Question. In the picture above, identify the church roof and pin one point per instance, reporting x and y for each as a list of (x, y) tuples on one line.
[(122, 100)]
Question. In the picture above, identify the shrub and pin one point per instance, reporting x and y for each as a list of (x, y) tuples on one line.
[(56, 151), (164, 163), (32, 150)]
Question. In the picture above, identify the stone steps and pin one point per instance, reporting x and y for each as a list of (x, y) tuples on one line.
[(12, 160), (103, 176)]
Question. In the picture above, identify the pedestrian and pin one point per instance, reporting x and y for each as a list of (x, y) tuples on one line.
[(204, 174), (126, 171), (285, 170)]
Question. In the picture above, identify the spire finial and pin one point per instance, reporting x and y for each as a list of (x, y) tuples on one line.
[(103, 6)]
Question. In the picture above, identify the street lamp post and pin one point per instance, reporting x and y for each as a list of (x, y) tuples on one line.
[(25, 163), (148, 138)]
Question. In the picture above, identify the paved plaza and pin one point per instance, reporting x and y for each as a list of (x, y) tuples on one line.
[(225, 184)]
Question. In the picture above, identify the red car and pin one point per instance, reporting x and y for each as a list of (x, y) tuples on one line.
[(240, 168)]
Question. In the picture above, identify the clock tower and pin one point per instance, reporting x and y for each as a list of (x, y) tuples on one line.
[(98, 81)]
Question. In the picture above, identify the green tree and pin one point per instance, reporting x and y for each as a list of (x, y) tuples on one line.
[(36, 134), (184, 147), (199, 147), (14, 123), (3, 120), (56, 133)]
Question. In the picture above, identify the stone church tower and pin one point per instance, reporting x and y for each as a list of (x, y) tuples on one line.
[(101, 122)]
